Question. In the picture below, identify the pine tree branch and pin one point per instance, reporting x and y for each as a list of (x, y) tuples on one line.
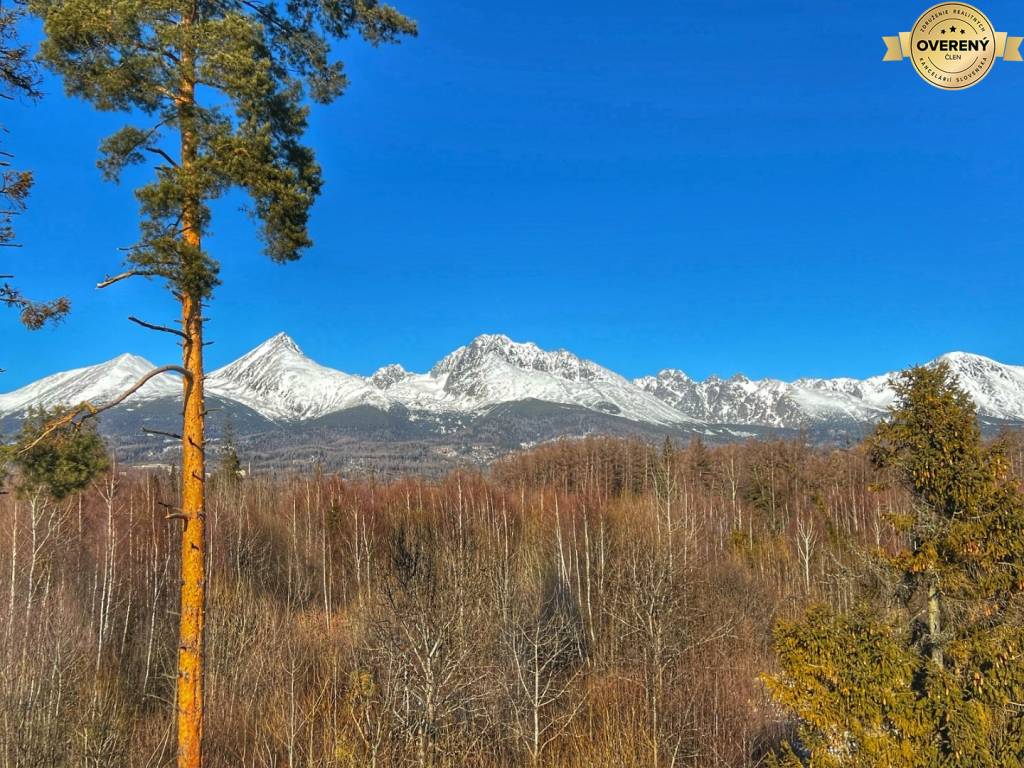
[(162, 328), (159, 433), (125, 275), (91, 411), (164, 155)]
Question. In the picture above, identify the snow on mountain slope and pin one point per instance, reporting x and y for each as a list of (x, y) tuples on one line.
[(736, 400), (493, 369), (389, 375), (96, 384), (997, 390), (278, 381), (843, 399), (770, 402)]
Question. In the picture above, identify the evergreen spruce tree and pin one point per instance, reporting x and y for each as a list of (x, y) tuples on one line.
[(216, 89), (932, 677), (229, 466)]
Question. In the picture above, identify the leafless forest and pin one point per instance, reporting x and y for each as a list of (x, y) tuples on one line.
[(592, 603)]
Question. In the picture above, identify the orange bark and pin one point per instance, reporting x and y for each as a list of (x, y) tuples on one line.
[(193, 549), (192, 619)]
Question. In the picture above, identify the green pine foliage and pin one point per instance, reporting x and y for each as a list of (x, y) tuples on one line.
[(230, 79), (967, 535), (229, 466), (929, 674), (57, 461), (217, 91), (19, 78), (850, 679)]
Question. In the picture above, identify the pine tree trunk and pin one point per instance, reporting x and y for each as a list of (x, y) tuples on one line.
[(935, 624), (193, 548), (193, 467)]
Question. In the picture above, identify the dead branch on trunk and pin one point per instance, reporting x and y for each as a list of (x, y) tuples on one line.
[(152, 327), (125, 275), (89, 411)]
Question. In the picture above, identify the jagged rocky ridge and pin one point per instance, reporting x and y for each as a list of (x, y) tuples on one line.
[(495, 394), (997, 390)]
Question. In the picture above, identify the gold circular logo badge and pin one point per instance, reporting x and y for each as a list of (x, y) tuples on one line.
[(953, 46)]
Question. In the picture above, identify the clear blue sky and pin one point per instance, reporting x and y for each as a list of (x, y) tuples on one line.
[(714, 186)]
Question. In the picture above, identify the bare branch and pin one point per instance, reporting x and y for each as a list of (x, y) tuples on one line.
[(89, 411), (125, 275), (152, 327), (164, 155), (138, 385), (172, 435)]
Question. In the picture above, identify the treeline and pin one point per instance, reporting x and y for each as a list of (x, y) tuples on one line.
[(594, 602)]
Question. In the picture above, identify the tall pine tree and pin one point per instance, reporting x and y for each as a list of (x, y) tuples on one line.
[(932, 676), (217, 91)]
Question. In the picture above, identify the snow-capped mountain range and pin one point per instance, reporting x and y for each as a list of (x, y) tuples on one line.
[(284, 386), (997, 390)]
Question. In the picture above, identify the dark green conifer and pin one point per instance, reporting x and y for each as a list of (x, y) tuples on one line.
[(931, 677), (59, 462), (229, 467)]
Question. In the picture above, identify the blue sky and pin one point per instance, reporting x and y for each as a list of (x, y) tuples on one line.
[(716, 186)]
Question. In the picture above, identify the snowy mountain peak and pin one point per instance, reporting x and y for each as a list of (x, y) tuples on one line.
[(389, 375), (997, 389), (492, 349), (122, 365), (494, 369), (956, 356), (965, 361), (498, 341), (483, 346), (276, 353), (128, 361), (278, 381), (672, 374), (665, 381), (277, 345), (96, 384)]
